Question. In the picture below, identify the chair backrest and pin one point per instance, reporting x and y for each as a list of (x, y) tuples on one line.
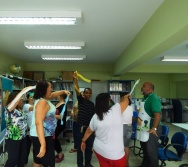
[(164, 136), (179, 138)]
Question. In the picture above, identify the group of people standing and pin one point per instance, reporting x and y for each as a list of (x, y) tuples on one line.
[(97, 128), (42, 127), (111, 142)]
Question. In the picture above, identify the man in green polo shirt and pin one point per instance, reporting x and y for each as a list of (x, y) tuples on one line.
[(152, 107)]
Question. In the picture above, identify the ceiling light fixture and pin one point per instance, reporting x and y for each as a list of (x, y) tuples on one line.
[(63, 57), (40, 17), (177, 58), (54, 45)]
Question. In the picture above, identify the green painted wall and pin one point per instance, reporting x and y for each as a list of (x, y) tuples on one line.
[(160, 81), (6, 61), (166, 85), (92, 71), (182, 89), (166, 28)]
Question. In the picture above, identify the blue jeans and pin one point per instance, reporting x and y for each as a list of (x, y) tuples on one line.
[(88, 150)]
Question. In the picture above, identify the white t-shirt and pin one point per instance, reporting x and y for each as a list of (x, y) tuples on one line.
[(109, 134), (127, 115), (28, 113)]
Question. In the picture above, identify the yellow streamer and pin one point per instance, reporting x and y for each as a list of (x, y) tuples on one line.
[(84, 79)]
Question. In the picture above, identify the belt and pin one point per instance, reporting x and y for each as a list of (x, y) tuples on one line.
[(82, 128)]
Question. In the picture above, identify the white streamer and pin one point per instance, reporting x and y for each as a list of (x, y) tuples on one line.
[(20, 95), (136, 83)]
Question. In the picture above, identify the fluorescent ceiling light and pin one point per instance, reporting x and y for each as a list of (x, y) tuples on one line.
[(40, 17), (63, 57), (54, 45), (177, 58)]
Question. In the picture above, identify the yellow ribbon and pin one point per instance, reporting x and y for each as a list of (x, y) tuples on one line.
[(83, 78)]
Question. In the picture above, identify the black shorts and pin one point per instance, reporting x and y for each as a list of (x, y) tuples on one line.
[(49, 158)]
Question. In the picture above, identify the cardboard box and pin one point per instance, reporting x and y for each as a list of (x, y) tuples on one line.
[(38, 75), (67, 75), (28, 74), (34, 75)]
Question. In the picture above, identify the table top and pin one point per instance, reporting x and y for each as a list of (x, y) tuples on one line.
[(181, 125)]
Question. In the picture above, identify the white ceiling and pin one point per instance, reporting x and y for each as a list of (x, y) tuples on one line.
[(107, 28)]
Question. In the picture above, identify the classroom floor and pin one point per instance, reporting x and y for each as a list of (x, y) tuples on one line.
[(135, 161)]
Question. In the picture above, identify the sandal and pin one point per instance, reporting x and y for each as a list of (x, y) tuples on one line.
[(72, 150), (58, 160)]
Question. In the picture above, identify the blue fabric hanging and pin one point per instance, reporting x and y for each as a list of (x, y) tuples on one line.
[(63, 110)]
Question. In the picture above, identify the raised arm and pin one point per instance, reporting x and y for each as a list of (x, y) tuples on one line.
[(12, 105), (76, 86), (57, 93), (124, 102)]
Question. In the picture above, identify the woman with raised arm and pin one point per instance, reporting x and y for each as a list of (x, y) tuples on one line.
[(108, 127), (43, 124), (16, 129)]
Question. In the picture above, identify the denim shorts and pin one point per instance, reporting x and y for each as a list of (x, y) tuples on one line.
[(127, 133)]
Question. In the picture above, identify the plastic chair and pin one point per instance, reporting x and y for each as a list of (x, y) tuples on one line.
[(163, 139), (133, 137), (175, 150)]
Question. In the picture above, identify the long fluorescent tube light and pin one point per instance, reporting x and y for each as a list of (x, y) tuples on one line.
[(177, 58), (40, 17), (63, 57), (54, 45)]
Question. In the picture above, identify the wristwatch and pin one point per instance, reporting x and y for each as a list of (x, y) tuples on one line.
[(154, 128)]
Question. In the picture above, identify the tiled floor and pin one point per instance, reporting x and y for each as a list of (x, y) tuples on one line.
[(135, 161)]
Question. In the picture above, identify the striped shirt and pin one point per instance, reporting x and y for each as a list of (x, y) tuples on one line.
[(86, 111)]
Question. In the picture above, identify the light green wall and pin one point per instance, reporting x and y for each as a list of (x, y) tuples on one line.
[(160, 69), (6, 61), (182, 89), (160, 81), (166, 85), (166, 28), (91, 71)]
